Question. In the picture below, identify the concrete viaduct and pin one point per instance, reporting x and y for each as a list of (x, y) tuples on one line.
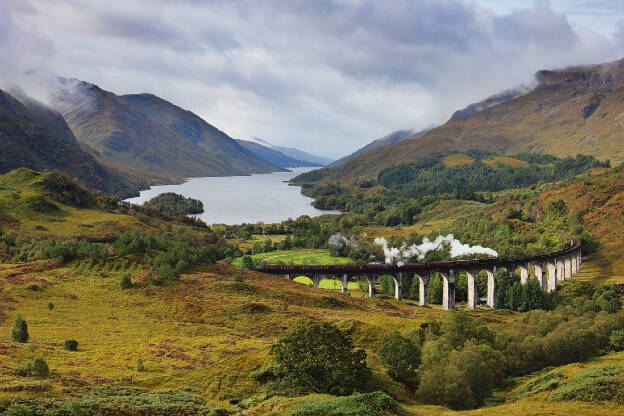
[(548, 269)]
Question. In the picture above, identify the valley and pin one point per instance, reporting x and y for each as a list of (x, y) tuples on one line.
[(175, 240)]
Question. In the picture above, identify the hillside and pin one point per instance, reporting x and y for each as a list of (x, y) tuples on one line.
[(301, 155), (204, 135), (34, 136), (123, 136), (387, 140), (201, 343), (274, 156), (571, 111)]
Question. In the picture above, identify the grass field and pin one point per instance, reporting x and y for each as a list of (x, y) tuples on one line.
[(457, 159), (301, 256), (506, 160)]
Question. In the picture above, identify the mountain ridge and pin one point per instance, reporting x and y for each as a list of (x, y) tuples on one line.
[(125, 137), (570, 111), (274, 156), (35, 136)]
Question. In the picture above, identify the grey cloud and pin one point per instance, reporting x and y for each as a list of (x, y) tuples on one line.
[(327, 75)]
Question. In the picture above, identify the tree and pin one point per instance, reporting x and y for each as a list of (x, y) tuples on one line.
[(20, 330), (247, 262), (401, 356), (318, 358), (125, 282), (616, 341)]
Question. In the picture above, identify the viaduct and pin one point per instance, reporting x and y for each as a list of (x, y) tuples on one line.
[(548, 269)]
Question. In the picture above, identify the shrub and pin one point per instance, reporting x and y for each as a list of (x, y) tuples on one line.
[(50, 305), (596, 385), (19, 410), (247, 262), (401, 357), (548, 381), (125, 282), (19, 333), (616, 341), (71, 345), (239, 278), (38, 368), (358, 404), (139, 365), (318, 358)]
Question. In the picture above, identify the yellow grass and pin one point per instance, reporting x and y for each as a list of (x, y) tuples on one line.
[(458, 159), (506, 160)]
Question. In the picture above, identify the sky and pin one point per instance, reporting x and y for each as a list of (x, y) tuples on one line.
[(325, 76)]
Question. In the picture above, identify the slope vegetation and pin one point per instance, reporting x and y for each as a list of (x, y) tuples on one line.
[(204, 135), (37, 137), (123, 136)]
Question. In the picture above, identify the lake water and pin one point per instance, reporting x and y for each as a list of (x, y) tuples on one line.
[(237, 199)]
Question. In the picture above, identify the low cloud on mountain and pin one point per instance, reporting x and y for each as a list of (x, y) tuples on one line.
[(325, 76)]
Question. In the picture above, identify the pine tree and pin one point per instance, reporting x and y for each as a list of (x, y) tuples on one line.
[(20, 330)]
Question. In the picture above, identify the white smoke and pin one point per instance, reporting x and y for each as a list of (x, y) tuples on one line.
[(401, 255), (339, 241)]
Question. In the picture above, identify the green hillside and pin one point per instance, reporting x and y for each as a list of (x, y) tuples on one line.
[(162, 326), (121, 135), (204, 135), (37, 137)]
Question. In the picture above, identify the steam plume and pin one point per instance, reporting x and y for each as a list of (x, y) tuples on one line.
[(401, 255)]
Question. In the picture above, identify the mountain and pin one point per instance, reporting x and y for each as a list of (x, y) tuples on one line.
[(387, 140), (123, 136), (274, 156), (570, 111), (35, 136), (204, 135), (301, 155)]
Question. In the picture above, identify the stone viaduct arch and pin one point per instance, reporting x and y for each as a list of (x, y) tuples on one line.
[(548, 270)]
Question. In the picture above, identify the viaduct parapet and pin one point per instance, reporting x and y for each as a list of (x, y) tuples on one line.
[(548, 270)]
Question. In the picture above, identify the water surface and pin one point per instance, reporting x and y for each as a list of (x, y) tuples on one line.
[(237, 199)]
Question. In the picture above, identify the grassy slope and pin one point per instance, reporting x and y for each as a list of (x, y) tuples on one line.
[(207, 137), (555, 118), (37, 137), (303, 256), (122, 136), (20, 194), (197, 334)]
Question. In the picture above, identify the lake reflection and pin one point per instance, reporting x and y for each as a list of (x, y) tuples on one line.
[(237, 199)]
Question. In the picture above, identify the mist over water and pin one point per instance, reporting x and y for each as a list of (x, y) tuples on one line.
[(237, 199)]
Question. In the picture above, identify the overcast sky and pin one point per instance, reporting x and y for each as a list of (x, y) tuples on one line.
[(326, 76)]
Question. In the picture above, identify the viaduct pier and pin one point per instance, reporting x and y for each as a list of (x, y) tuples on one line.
[(547, 269)]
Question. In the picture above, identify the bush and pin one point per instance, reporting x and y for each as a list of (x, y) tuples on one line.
[(401, 357), (50, 305), (239, 278), (19, 333), (247, 262), (596, 385), (125, 282), (71, 345), (318, 358), (139, 365), (616, 341), (19, 410), (366, 404), (548, 381), (38, 368)]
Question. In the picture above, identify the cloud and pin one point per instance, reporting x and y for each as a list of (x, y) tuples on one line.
[(327, 76)]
